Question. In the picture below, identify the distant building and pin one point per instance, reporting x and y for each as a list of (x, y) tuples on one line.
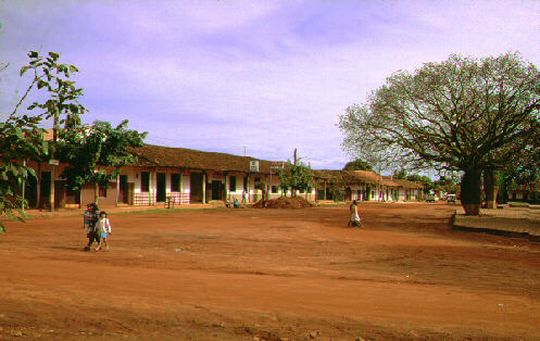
[(180, 176)]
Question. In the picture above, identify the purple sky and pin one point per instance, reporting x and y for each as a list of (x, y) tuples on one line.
[(265, 75)]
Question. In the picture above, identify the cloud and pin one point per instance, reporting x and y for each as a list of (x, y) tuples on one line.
[(271, 76)]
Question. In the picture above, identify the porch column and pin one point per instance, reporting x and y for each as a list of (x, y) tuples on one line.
[(150, 174), (181, 188), (204, 188), (51, 189), (225, 189), (248, 199), (268, 187)]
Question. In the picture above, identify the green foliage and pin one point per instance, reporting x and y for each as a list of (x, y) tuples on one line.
[(296, 176), (524, 166), (95, 153), (358, 164), (336, 187), (20, 139), (61, 102), (400, 174), (426, 181), (446, 184)]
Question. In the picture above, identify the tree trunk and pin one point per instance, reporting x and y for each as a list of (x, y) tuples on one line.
[(491, 187), (96, 193), (471, 188)]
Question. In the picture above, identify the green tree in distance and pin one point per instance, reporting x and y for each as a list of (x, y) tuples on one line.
[(295, 176), (358, 164)]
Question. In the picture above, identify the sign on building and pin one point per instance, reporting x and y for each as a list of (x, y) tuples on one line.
[(277, 164), (254, 165)]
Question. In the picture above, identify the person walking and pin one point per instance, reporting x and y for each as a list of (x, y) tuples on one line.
[(90, 220), (354, 219), (104, 227)]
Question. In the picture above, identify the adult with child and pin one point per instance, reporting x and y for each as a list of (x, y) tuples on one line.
[(354, 219), (89, 224)]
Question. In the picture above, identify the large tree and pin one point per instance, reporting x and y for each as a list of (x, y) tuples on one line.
[(460, 114), (95, 153), (59, 99)]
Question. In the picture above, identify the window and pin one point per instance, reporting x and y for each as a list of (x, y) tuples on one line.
[(145, 182), (102, 191), (274, 189), (232, 183), (175, 182)]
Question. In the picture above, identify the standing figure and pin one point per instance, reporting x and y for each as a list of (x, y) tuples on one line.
[(244, 196), (104, 227), (90, 220), (354, 219)]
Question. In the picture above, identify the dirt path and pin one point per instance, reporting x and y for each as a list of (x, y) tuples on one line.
[(269, 274)]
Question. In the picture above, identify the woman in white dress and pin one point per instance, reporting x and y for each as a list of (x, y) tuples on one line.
[(355, 217)]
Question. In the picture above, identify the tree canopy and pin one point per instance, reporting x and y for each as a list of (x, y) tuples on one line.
[(461, 114), (62, 99), (96, 152), (358, 164)]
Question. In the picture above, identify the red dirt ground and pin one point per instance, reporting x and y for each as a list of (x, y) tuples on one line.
[(251, 274)]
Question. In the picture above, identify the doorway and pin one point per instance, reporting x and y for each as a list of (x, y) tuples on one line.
[(217, 190), (124, 191), (45, 190), (161, 194), (196, 187)]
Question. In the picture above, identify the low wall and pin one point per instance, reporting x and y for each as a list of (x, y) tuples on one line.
[(522, 221)]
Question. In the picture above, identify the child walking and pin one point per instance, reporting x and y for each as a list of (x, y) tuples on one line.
[(104, 227)]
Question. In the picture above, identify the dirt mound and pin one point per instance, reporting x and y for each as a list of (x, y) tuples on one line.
[(284, 202)]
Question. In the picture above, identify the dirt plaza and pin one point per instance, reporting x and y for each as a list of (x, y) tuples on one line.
[(262, 274)]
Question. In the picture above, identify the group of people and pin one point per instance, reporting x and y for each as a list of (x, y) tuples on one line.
[(97, 227)]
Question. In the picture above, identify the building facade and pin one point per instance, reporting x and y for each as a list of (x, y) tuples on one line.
[(180, 176)]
